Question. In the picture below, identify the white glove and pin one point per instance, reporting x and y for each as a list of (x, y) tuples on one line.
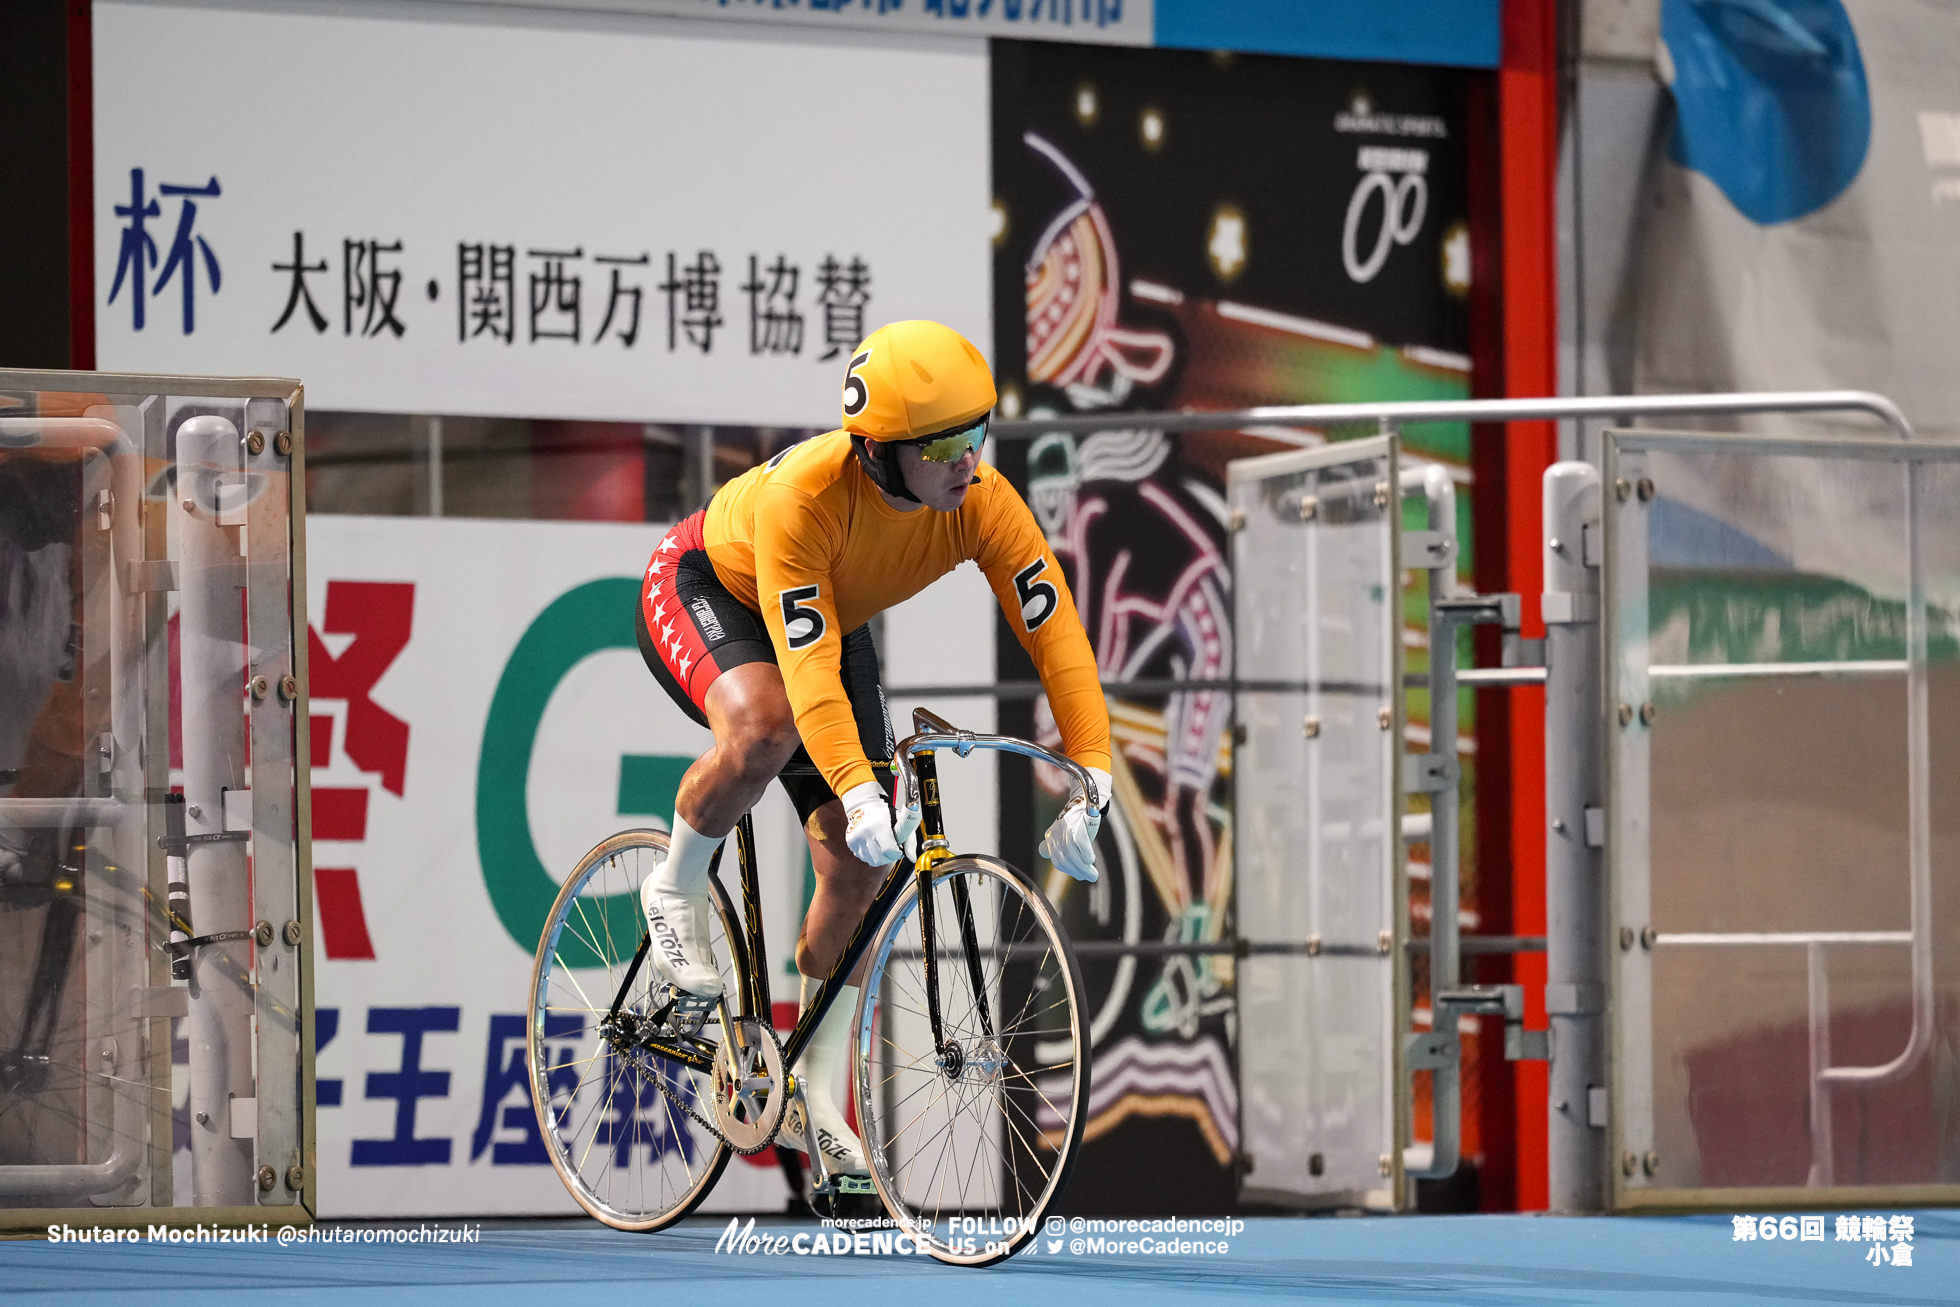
[(1071, 842), (868, 831)]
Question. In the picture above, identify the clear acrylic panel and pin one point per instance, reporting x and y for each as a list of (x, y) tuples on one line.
[(1316, 817), (1787, 876), (150, 917)]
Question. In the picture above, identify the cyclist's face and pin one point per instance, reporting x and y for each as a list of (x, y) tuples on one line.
[(941, 486)]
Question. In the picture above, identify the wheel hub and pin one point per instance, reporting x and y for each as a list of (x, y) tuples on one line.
[(986, 1063), (951, 1059)]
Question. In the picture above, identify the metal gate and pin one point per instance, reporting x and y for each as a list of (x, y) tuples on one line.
[(153, 877)]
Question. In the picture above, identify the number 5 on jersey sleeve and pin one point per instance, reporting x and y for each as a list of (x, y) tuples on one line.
[(1038, 598), (803, 626)]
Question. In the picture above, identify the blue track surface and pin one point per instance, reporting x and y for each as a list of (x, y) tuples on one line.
[(1465, 1259)]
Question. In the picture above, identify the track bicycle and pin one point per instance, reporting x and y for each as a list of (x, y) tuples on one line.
[(969, 1051)]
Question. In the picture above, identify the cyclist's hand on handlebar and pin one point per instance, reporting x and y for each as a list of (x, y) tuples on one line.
[(868, 829), (1071, 842)]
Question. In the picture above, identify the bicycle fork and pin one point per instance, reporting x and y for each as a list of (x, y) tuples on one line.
[(933, 849)]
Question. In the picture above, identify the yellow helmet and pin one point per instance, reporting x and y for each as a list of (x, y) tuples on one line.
[(915, 382), (913, 379)]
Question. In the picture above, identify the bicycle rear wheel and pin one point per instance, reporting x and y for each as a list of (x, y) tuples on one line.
[(972, 1141), (616, 1126)]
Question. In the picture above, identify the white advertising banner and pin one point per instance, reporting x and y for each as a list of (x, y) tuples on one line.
[(1101, 22), (481, 716), (511, 213)]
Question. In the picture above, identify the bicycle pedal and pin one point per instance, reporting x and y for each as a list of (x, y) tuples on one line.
[(685, 1012), (845, 1184)]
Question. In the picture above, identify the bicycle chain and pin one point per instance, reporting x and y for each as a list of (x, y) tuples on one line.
[(642, 1062), (660, 1080)]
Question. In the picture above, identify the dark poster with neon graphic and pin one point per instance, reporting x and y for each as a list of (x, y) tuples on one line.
[(1206, 231)]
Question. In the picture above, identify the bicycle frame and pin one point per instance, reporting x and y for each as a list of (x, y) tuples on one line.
[(917, 772)]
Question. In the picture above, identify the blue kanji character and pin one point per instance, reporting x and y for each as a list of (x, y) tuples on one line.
[(180, 250), (137, 245), (326, 1024), (501, 1075), (407, 1086)]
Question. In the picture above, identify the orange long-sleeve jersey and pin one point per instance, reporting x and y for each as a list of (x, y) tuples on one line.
[(807, 541)]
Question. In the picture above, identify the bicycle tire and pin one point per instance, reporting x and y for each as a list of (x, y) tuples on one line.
[(562, 1034), (1022, 1120)]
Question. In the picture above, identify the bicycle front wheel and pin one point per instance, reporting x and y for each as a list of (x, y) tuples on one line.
[(617, 1126), (971, 1139)]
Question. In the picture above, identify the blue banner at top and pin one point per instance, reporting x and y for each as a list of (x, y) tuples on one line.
[(1463, 33)]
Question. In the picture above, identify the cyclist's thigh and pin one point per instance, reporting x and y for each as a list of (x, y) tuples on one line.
[(691, 630), (750, 702)]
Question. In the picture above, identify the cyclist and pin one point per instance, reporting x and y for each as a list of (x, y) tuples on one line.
[(753, 617)]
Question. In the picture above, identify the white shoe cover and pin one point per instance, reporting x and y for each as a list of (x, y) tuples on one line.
[(842, 1150), (681, 951)]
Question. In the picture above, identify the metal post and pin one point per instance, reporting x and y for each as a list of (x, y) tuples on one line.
[(435, 466), (697, 469), (1445, 966), (1821, 1148), (1445, 957), (210, 460), (1575, 899)]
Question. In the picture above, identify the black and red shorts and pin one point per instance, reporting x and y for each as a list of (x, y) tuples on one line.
[(692, 629)]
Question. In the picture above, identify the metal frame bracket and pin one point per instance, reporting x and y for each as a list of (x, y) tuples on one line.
[(1422, 549), (1429, 773), (1432, 1050), (1521, 1045), (1563, 608)]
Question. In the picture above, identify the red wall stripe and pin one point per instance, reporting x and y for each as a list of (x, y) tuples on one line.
[(1527, 95), (340, 814), (343, 921)]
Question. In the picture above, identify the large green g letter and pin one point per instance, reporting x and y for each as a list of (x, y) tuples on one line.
[(590, 619)]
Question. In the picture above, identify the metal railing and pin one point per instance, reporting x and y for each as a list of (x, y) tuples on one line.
[(1576, 908)]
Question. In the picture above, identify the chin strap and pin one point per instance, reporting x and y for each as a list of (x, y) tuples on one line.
[(881, 465)]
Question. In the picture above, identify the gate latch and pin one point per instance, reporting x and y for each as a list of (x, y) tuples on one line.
[(1507, 1001)]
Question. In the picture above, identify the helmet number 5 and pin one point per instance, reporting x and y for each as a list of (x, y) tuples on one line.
[(1038, 598), (855, 395), (802, 626)]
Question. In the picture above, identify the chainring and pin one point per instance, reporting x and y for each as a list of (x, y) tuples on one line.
[(750, 1088)]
